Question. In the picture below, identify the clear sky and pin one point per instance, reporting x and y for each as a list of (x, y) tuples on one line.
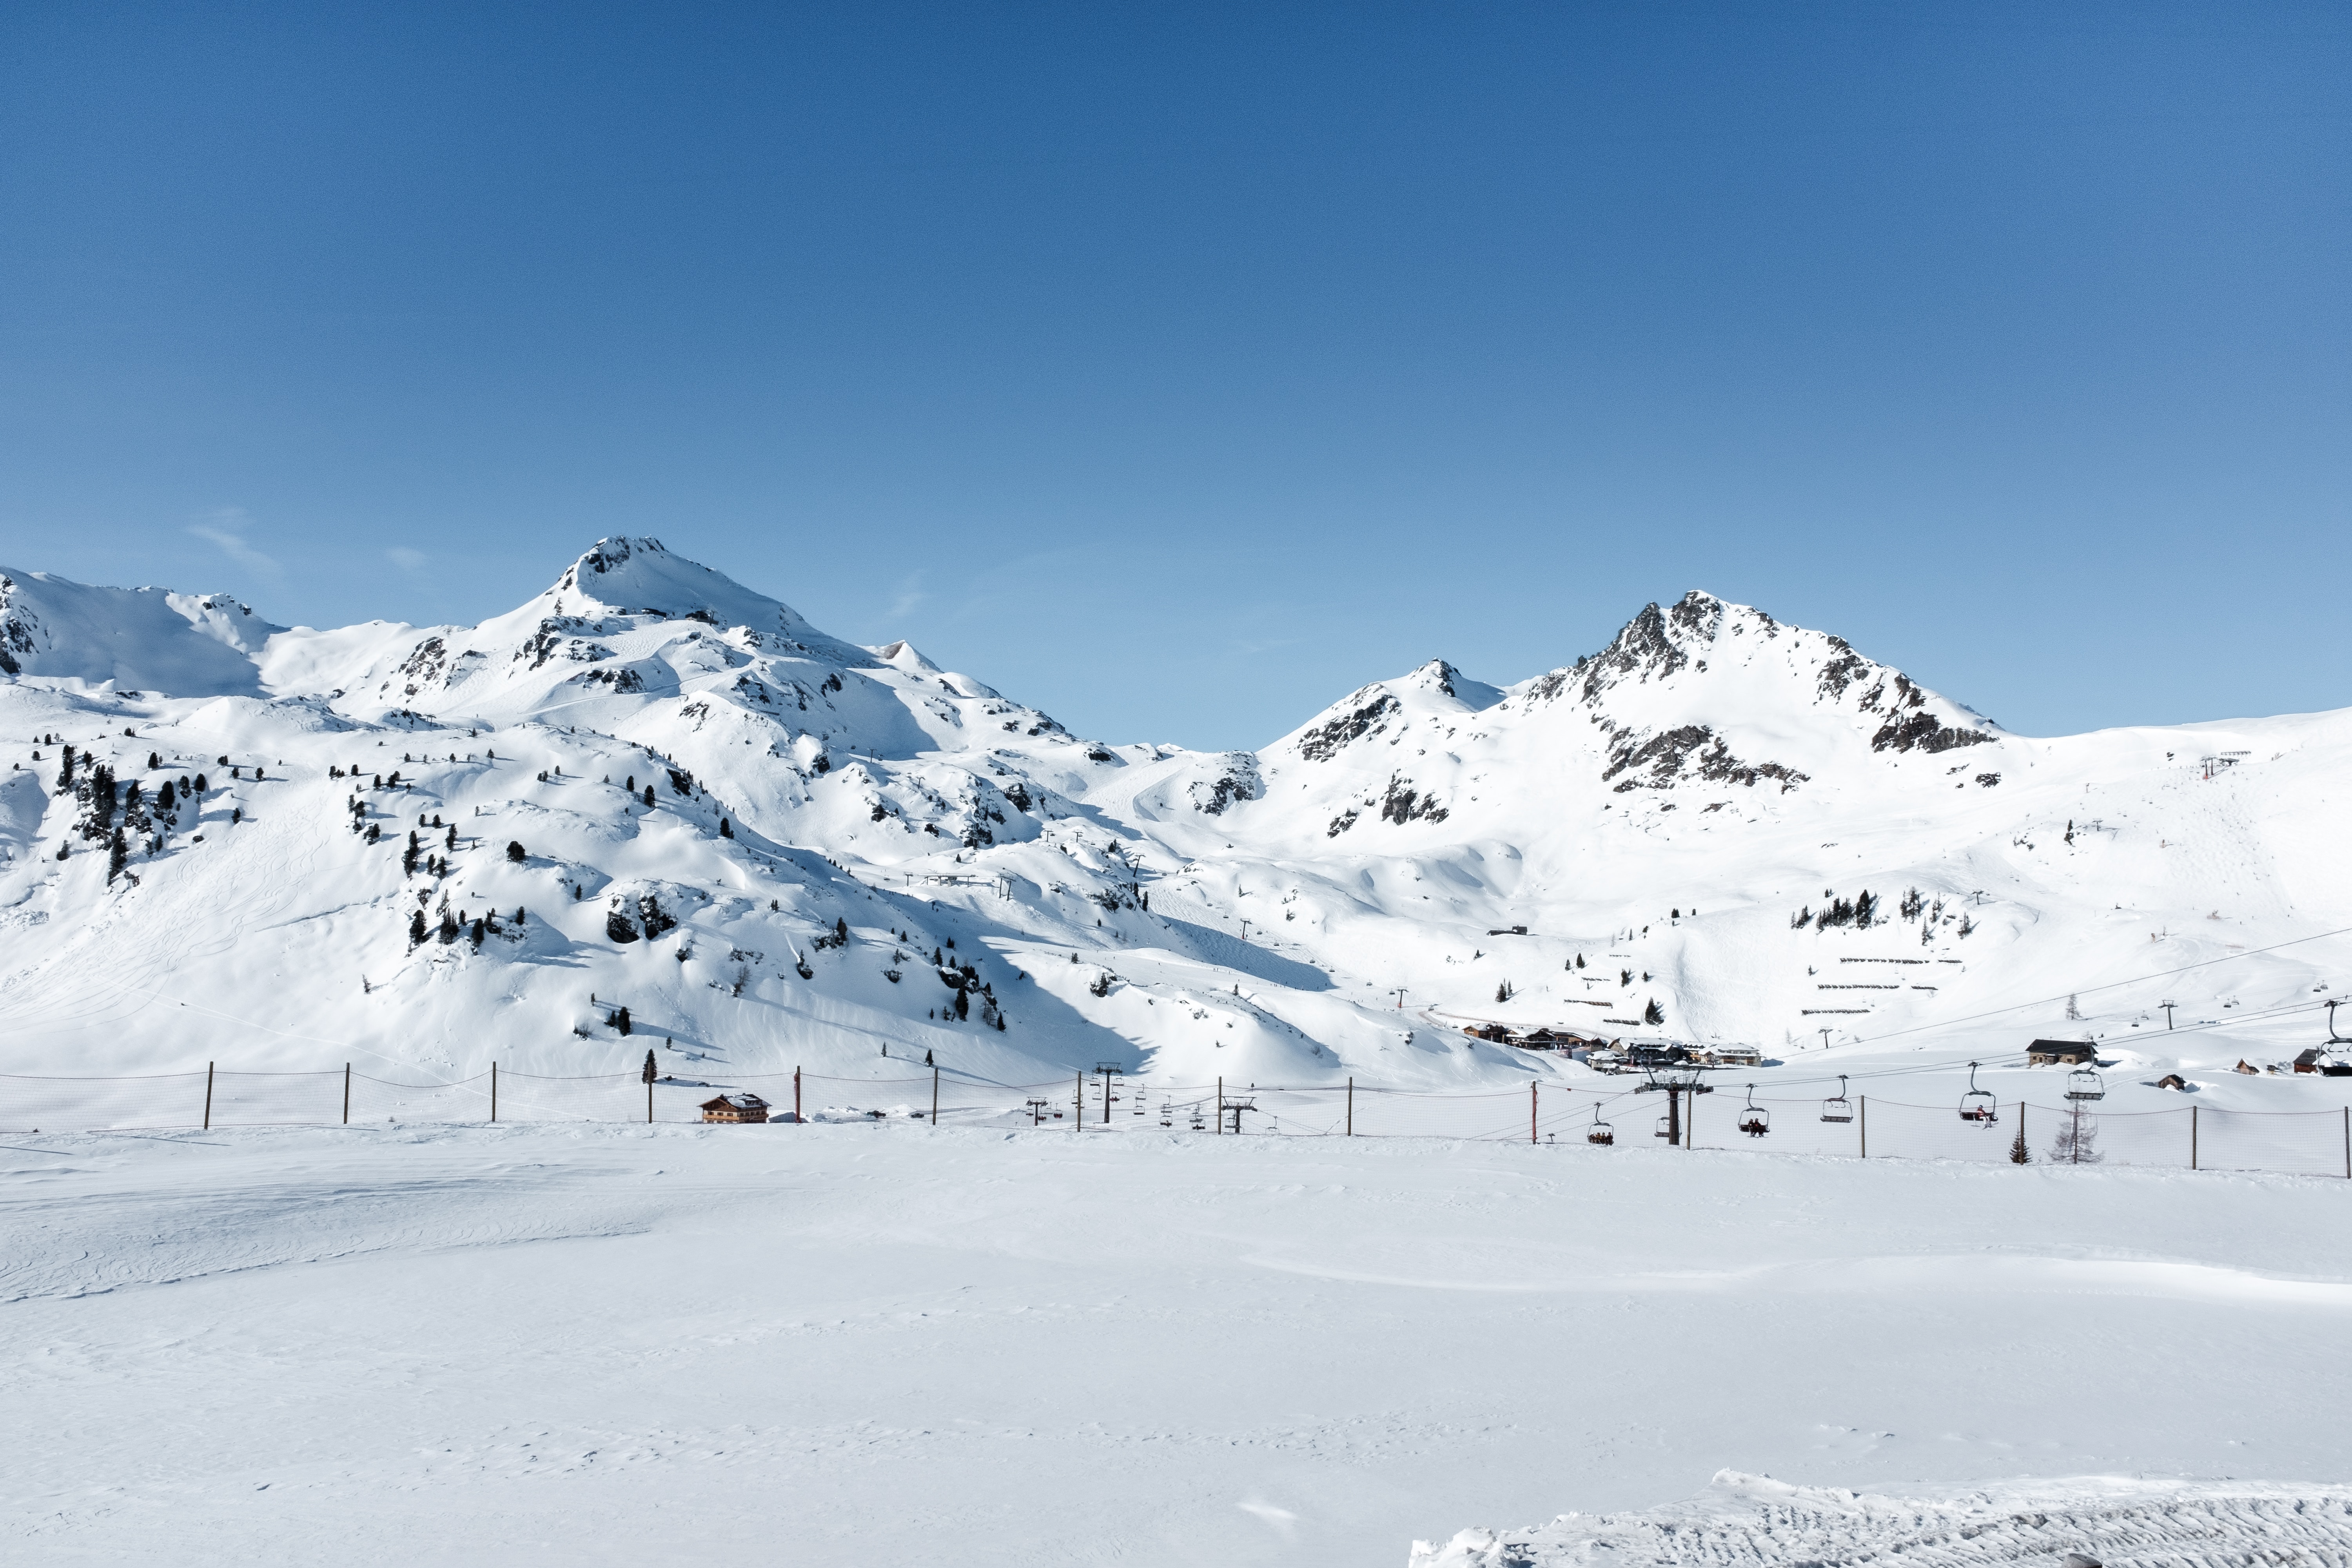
[(1180, 368)]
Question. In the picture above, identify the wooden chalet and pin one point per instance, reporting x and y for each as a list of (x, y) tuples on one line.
[(735, 1108), (2061, 1053)]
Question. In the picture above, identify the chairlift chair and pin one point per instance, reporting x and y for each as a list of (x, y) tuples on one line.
[(1601, 1132), (1978, 1105), (1755, 1121), (1665, 1129), (2084, 1084), (1837, 1108)]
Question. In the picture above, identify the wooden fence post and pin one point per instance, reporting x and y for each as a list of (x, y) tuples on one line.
[(347, 1094), (1351, 1107), (1864, 1126), (494, 1091), (796, 1096), (2192, 1136), (1221, 1104), (935, 1096), (1531, 1112), (208, 1097)]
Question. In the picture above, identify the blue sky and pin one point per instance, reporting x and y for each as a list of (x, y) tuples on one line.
[(1180, 368)]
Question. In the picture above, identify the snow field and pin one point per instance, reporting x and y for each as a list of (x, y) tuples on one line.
[(893, 1343)]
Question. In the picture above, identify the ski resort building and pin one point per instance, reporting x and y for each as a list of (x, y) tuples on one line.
[(735, 1108), (2060, 1053)]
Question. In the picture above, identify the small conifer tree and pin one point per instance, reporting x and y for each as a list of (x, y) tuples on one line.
[(514, 851), (417, 929), (649, 797), (726, 828)]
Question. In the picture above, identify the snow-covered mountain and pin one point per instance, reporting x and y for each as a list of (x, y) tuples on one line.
[(651, 786)]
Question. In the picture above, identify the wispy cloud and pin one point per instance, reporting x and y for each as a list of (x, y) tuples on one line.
[(224, 528), (910, 595), (405, 558)]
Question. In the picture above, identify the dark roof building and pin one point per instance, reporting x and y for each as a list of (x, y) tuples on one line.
[(2061, 1053), (735, 1108)]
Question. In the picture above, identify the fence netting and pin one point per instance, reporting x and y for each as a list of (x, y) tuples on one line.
[(2311, 1142)]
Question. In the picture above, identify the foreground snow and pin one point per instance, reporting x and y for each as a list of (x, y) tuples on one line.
[(889, 1343)]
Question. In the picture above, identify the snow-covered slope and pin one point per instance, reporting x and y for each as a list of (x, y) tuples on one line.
[(188, 644), (651, 786)]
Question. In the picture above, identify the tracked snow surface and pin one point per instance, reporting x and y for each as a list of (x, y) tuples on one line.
[(2120, 1523)]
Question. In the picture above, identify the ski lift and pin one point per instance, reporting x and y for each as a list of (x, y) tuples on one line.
[(1167, 1113), (1976, 1105), (1601, 1132), (2084, 1084), (1666, 1127), (1837, 1108), (1755, 1121)]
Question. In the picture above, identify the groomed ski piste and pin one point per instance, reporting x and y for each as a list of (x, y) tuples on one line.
[(422, 1338)]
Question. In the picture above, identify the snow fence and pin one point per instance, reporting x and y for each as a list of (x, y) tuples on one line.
[(1593, 1120)]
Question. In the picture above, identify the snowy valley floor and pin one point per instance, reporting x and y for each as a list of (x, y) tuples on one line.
[(894, 1345)]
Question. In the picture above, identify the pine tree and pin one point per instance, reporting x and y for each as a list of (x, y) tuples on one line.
[(417, 929), (118, 855), (408, 857), (649, 797), (514, 851), (2018, 1154), (1653, 1014), (650, 1071), (451, 842), (154, 761), (840, 931), (726, 829), (65, 769), (621, 1020)]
